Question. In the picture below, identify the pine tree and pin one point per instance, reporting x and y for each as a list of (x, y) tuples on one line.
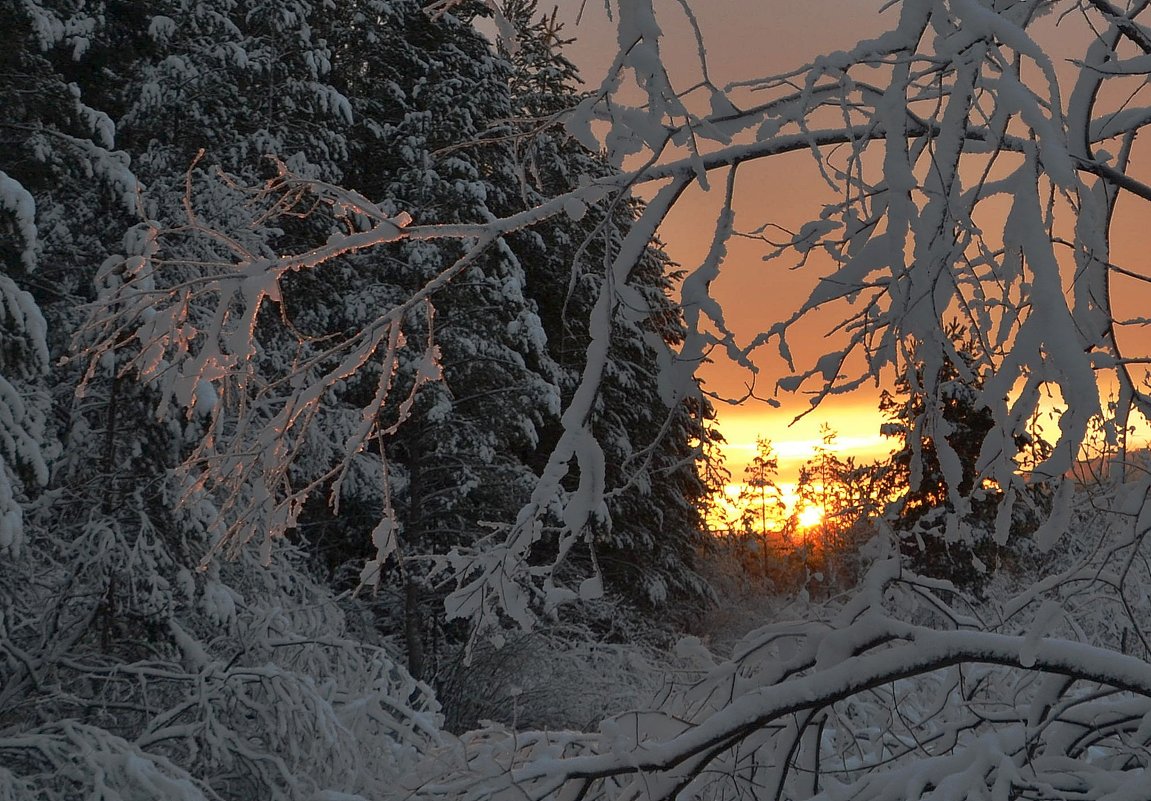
[(934, 539), (27, 98), (424, 92), (762, 502)]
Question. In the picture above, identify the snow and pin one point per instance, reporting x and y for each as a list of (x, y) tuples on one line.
[(161, 27), (101, 125), (11, 519), (904, 687), (15, 199)]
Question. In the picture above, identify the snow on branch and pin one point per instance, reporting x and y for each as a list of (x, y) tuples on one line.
[(185, 308), (953, 109), (953, 118), (753, 716)]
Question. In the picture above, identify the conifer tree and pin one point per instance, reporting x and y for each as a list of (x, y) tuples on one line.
[(762, 501), (937, 538), (124, 671), (424, 91)]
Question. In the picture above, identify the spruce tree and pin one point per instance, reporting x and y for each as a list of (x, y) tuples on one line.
[(425, 93), (123, 669), (933, 538)]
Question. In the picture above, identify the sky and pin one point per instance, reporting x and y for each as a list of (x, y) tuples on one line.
[(746, 39), (752, 38)]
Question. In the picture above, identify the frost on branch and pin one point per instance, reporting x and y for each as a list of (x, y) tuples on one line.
[(244, 682), (908, 252)]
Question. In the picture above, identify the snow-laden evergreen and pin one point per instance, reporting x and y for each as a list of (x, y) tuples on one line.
[(128, 672), (187, 262), (651, 443)]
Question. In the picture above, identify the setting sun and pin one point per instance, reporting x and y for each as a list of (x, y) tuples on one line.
[(810, 516), (728, 508)]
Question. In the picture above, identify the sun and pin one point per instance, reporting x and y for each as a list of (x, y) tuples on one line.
[(810, 516)]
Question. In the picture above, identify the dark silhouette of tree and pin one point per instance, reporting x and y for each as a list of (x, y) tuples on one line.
[(951, 524), (763, 510), (850, 498)]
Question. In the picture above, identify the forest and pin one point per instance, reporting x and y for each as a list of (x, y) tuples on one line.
[(353, 444)]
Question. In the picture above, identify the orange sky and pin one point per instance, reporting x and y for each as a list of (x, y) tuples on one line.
[(787, 192), (750, 39)]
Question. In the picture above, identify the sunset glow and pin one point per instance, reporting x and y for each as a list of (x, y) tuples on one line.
[(729, 511), (857, 423), (810, 516)]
